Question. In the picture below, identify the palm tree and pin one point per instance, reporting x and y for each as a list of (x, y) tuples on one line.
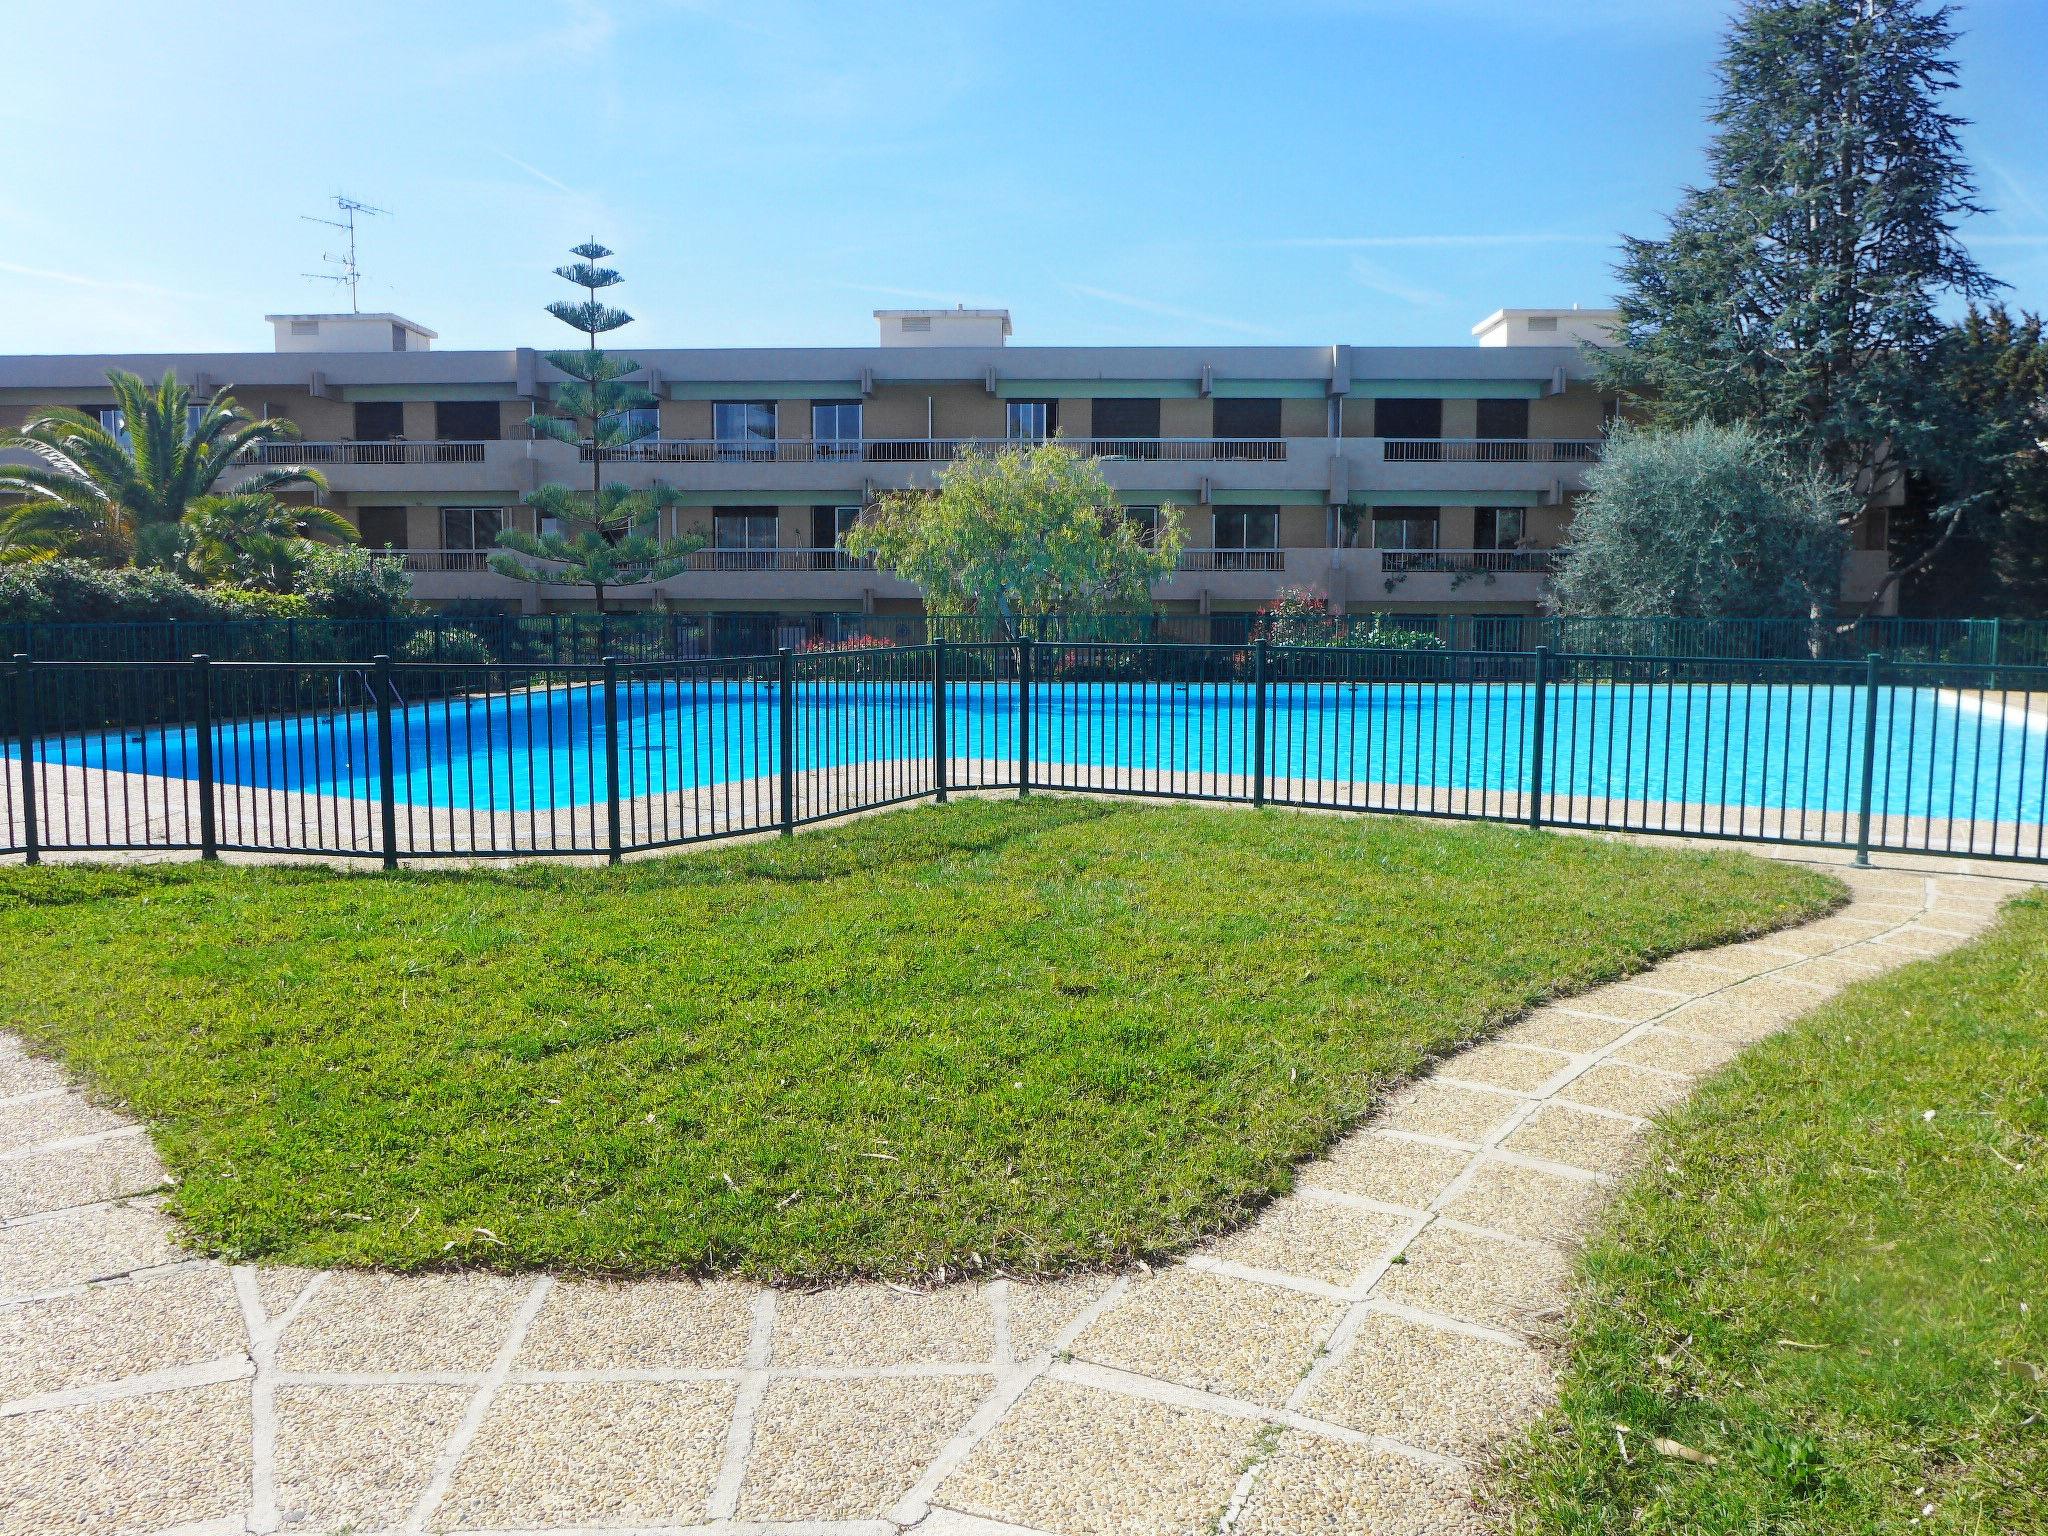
[(251, 539), (120, 494)]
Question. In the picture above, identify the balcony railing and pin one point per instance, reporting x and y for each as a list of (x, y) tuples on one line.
[(392, 451), (1489, 450), (785, 561), (1232, 560), (932, 450), (1466, 562)]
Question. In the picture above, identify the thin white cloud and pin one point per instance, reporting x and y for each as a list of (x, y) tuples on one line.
[(537, 173), (1431, 242), (1371, 275), (97, 284), (2017, 192), (1169, 311)]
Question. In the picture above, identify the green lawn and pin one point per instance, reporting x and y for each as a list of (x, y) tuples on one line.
[(1034, 1036), (1835, 1283)]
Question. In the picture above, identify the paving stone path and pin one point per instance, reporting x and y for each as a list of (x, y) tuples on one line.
[(1340, 1365)]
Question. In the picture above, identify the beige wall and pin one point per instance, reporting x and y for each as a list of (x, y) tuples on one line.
[(1575, 413), (1304, 418)]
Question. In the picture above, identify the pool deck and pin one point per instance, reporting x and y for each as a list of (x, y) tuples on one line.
[(1349, 1361)]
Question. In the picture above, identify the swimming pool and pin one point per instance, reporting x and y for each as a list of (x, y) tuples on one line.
[(1797, 747)]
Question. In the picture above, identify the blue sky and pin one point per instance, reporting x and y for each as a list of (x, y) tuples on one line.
[(1373, 171)]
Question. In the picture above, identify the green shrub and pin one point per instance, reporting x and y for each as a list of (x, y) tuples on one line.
[(455, 647), (67, 591)]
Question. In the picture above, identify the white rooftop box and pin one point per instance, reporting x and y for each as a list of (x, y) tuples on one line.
[(1547, 327), (349, 333), (961, 327)]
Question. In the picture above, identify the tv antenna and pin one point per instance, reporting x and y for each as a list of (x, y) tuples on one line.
[(350, 274)]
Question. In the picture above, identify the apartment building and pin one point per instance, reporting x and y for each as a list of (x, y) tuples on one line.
[(1418, 479)]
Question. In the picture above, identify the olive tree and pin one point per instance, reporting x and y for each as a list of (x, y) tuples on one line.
[(1705, 522), (1018, 535)]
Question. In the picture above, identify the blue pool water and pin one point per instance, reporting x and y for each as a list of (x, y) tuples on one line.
[(1788, 748)]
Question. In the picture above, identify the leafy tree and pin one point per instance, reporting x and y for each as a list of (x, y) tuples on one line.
[(1018, 535), (1797, 289), (120, 497), (1995, 368), (1704, 522), (255, 541), (606, 535)]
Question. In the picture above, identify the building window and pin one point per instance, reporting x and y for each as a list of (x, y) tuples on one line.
[(745, 429), (835, 428), (1247, 418), (1404, 527), (1396, 417), (466, 421), (917, 322), (379, 421), (1873, 529), (1504, 418), (398, 338), (640, 421), (305, 327), (381, 527), (1247, 528), (1543, 322), (830, 525), (1147, 521), (471, 528), (1499, 527), (744, 528), (1032, 421)]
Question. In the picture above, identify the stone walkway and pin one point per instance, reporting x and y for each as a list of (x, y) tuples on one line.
[(1341, 1365)]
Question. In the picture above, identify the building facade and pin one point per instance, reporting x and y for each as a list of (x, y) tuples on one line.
[(1390, 479)]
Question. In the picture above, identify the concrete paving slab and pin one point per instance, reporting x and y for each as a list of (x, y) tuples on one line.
[(76, 1246), (1077, 1461), (591, 1454), (369, 1322), (1671, 1052), (27, 1122), (1311, 1486), (359, 1457), (107, 1332), (880, 1325), (1440, 1109), (1213, 1333), (1484, 1280), (1038, 1311), (1511, 1067), (847, 1450), (1431, 1388), (650, 1325), (1389, 1168), (1624, 1089), (1560, 1133), (1524, 1202), (1316, 1239), (54, 1181)]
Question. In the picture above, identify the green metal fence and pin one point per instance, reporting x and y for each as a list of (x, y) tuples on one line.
[(419, 759)]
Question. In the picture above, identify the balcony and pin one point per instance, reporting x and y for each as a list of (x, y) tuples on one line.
[(1474, 562), (1489, 450), (386, 451), (1232, 560), (933, 450)]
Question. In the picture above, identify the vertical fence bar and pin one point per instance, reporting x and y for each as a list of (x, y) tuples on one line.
[(1024, 658), (202, 708), (387, 773), (1870, 666), (611, 758), (1259, 721), (1538, 727), (785, 688), (25, 732), (939, 719)]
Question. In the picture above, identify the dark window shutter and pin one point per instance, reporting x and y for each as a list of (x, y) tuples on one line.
[(466, 421), (1247, 418), (379, 421), (1126, 418), (1395, 417), (1504, 418)]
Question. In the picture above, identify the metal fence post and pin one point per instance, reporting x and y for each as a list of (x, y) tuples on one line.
[(939, 719), (1870, 667), (785, 678), (202, 709), (1538, 730), (611, 758), (25, 732), (1024, 661), (1259, 721), (387, 780)]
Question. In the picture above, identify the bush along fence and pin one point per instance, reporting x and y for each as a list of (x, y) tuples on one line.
[(412, 759), (571, 639)]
